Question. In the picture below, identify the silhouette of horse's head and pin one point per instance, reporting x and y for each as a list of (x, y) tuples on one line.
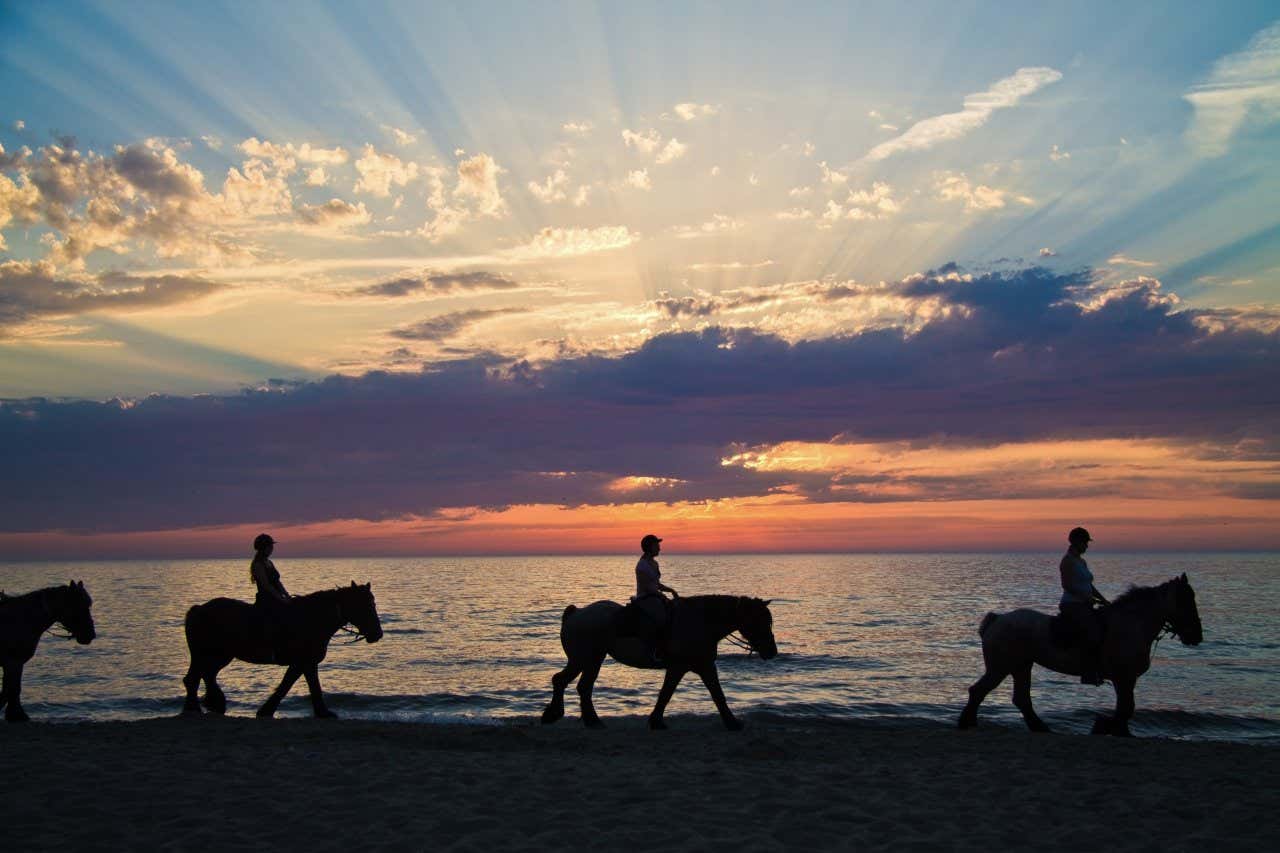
[(1186, 616), (359, 609), (72, 612), (755, 623)]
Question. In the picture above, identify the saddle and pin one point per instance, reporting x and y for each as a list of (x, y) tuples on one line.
[(638, 619), (1066, 634)]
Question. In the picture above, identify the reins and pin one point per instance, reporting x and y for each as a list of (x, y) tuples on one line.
[(357, 634), (736, 637)]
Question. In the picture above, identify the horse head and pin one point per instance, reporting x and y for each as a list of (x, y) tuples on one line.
[(755, 623), (359, 609), (72, 612), (1186, 617)]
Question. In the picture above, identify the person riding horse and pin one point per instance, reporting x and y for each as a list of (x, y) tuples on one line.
[(649, 603), (1076, 605), (272, 599)]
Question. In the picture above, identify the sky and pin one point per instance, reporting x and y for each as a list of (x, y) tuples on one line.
[(500, 278)]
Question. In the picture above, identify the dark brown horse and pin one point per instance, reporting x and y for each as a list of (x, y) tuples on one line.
[(225, 629), (1012, 642), (698, 624), (23, 619)]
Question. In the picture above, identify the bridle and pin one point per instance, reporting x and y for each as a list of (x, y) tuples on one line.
[(736, 637), (356, 634)]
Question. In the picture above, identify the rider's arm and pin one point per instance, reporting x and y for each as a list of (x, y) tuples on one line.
[(260, 577), (664, 588), (1097, 596)]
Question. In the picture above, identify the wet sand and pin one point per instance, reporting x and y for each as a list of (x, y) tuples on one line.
[(236, 783)]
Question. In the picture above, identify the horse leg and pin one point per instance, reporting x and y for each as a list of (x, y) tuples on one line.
[(586, 683), (1119, 724), (268, 708), (214, 699), (711, 678), (978, 692), (1022, 698), (191, 681), (559, 681), (669, 684), (317, 695), (13, 690)]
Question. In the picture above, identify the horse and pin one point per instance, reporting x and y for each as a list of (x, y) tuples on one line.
[(23, 618), (1012, 642), (698, 624), (224, 629)]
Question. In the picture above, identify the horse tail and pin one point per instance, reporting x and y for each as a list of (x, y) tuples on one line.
[(189, 623), (986, 623), (568, 611)]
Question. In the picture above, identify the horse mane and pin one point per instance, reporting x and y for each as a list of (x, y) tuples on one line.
[(6, 598), (1136, 595), (321, 594)]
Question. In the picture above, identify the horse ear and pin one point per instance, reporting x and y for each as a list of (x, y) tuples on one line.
[(369, 585), (1184, 577), (768, 602), (71, 584), (353, 584)]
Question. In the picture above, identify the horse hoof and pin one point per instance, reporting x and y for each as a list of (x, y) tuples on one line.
[(265, 713), (549, 716), (593, 724), (189, 711), (657, 726), (20, 717)]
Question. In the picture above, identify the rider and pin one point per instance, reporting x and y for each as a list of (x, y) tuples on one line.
[(272, 597), (648, 597), (1076, 605)]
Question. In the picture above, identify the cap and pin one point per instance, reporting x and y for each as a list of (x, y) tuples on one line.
[(1079, 534), (650, 538), (261, 541)]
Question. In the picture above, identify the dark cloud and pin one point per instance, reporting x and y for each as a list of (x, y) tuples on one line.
[(447, 325), (157, 172), (439, 283), (32, 290), (1022, 360)]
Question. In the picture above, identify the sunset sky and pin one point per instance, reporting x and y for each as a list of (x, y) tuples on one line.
[(542, 278)]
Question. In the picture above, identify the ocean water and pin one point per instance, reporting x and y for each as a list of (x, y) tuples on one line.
[(881, 639)]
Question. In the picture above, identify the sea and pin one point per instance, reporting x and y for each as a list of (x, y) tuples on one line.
[(864, 639)]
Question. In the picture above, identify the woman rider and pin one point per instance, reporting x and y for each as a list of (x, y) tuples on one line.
[(1076, 605), (649, 590), (272, 597)]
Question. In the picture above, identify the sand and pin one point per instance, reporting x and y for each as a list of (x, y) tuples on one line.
[(237, 783)]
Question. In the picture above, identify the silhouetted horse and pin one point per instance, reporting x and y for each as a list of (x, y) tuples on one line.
[(224, 629), (23, 618), (1012, 642), (698, 624)]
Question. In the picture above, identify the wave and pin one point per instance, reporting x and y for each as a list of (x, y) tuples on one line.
[(506, 706)]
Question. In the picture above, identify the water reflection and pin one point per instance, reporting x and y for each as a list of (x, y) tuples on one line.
[(865, 636)]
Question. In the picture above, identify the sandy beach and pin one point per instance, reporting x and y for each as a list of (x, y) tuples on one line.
[(240, 783)]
